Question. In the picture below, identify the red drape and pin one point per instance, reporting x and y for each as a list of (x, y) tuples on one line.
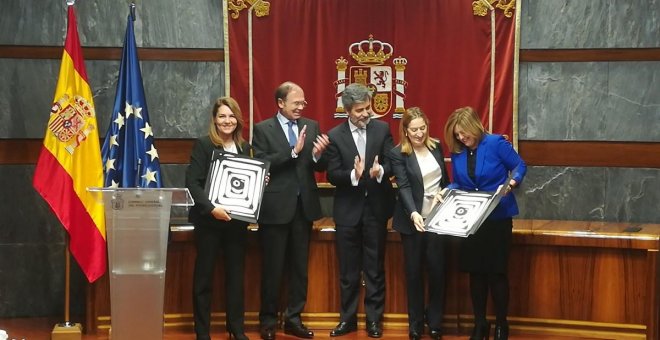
[(447, 51)]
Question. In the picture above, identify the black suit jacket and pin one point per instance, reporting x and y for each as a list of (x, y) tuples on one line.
[(349, 200), (196, 173), (288, 175), (411, 186)]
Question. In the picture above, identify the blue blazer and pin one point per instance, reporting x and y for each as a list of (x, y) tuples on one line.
[(495, 159)]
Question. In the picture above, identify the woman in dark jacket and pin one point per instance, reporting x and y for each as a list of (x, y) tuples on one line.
[(420, 173), (214, 228)]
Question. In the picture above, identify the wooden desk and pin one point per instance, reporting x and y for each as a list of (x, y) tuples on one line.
[(567, 278)]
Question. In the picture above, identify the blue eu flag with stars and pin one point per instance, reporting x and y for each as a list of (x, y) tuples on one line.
[(130, 158)]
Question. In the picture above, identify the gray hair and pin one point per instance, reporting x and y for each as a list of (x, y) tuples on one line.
[(355, 94)]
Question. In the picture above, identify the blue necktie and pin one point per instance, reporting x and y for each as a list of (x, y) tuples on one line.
[(293, 139)]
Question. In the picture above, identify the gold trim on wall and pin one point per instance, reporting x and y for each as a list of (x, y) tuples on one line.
[(261, 8), (480, 8)]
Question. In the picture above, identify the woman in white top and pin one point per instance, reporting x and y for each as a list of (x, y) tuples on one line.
[(420, 173)]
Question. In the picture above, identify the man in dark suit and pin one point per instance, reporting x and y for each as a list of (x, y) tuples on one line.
[(359, 167), (294, 147)]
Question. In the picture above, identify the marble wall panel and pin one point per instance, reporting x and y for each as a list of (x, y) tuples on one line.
[(32, 283), (593, 194), (634, 24), (633, 195), (164, 23), (609, 101), (563, 24), (174, 176), (32, 248), (633, 96), (179, 95), (26, 96), (26, 217), (554, 24)]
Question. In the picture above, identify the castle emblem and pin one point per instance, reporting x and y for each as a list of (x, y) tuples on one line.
[(386, 82), (71, 121)]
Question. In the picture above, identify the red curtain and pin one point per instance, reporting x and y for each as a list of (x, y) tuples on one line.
[(447, 51)]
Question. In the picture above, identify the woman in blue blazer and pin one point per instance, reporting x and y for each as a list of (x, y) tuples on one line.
[(214, 228), (419, 168), (482, 162)]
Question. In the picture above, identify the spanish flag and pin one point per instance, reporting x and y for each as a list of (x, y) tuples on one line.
[(70, 160)]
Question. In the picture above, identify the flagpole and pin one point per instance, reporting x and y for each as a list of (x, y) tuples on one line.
[(67, 330), (67, 283), (132, 9)]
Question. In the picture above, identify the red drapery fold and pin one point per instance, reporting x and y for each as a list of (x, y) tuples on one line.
[(444, 47)]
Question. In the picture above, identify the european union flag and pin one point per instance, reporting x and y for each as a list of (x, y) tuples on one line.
[(130, 158)]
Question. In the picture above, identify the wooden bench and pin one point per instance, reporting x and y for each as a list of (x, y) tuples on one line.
[(567, 278)]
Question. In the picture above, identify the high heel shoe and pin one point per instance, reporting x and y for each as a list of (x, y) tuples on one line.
[(501, 332), (238, 336), (480, 332)]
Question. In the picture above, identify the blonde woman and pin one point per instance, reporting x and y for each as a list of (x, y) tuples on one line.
[(420, 173)]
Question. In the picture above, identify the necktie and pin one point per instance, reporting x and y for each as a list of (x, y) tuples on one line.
[(361, 143), (293, 139)]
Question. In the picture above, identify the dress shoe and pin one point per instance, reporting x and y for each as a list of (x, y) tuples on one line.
[(268, 333), (480, 332), (343, 328), (501, 332), (298, 330), (415, 335), (435, 334), (238, 336), (374, 330)]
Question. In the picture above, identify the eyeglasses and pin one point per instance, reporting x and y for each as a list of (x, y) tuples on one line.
[(302, 103)]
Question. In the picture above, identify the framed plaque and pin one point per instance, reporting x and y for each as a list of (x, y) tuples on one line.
[(236, 183), (462, 212)]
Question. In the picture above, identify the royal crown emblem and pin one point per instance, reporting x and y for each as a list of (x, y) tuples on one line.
[(71, 121), (386, 82)]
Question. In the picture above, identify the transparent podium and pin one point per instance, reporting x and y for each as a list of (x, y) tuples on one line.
[(137, 225)]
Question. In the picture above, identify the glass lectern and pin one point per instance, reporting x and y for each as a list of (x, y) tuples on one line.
[(137, 224)]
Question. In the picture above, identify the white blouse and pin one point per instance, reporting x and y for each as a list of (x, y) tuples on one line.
[(431, 175)]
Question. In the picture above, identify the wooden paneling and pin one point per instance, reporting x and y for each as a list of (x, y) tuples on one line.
[(217, 55), (114, 53), (535, 153), (601, 283), (19, 151), (26, 151), (583, 55), (590, 153)]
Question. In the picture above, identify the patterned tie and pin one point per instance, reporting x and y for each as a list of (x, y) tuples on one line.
[(293, 139), (361, 143)]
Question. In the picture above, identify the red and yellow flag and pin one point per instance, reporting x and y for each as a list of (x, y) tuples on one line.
[(70, 160)]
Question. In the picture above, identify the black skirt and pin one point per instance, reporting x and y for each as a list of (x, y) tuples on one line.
[(487, 251)]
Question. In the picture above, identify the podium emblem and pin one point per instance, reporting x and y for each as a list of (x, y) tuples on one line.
[(117, 203)]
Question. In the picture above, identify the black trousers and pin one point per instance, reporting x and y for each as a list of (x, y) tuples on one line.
[(284, 244), (419, 249), (209, 240), (361, 249)]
